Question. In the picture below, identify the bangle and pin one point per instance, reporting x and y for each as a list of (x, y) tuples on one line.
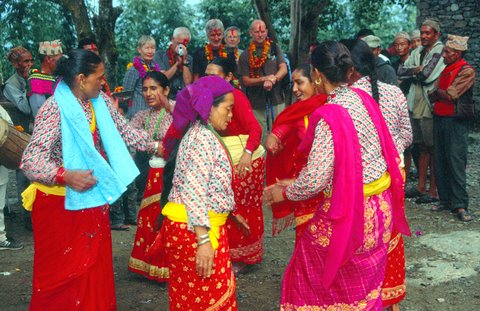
[(201, 237), (248, 151), (60, 176), (284, 193), (204, 241), (186, 64)]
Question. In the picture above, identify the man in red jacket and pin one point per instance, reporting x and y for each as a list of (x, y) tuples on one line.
[(453, 105)]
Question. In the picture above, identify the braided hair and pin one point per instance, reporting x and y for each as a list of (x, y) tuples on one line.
[(364, 62)]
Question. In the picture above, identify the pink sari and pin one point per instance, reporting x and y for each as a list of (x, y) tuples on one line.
[(339, 262)]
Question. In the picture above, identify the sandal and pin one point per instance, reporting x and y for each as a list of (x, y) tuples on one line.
[(120, 227), (464, 216), (425, 199), (440, 207), (413, 193)]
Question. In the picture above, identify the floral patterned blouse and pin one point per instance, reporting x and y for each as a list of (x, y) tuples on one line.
[(150, 121), (318, 173), (43, 156), (393, 105), (203, 176)]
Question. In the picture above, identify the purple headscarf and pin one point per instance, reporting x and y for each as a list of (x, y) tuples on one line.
[(194, 101)]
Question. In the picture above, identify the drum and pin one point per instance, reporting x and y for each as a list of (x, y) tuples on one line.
[(12, 144)]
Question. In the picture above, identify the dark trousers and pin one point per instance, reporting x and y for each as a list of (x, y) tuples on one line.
[(124, 210), (450, 156)]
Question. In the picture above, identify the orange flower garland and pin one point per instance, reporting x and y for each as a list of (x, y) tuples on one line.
[(209, 52), (256, 63)]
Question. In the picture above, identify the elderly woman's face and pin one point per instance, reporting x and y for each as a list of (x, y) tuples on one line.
[(221, 115), (92, 84), (147, 51)]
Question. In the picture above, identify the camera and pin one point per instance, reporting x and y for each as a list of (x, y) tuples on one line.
[(181, 50)]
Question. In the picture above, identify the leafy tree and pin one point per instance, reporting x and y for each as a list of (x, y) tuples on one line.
[(239, 13), (29, 22)]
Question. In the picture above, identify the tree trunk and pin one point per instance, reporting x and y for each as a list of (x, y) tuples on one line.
[(263, 12), (104, 24), (79, 12), (304, 16)]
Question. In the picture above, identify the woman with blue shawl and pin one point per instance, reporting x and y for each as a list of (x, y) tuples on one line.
[(79, 164)]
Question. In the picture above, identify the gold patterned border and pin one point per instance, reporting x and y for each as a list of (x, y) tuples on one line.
[(230, 291), (158, 272), (150, 200), (356, 306)]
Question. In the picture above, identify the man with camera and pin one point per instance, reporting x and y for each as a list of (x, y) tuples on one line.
[(175, 62)]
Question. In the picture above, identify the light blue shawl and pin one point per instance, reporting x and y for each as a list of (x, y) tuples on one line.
[(79, 152)]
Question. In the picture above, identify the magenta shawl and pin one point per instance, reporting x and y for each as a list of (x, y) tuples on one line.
[(346, 210)]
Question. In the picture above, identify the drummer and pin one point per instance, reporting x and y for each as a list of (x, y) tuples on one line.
[(6, 243)]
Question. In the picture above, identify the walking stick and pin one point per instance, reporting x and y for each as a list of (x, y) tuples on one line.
[(269, 111)]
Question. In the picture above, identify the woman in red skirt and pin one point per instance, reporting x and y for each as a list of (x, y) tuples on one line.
[(78, 144), (242, 138), (199, 197), (284, 161), (156, 122)]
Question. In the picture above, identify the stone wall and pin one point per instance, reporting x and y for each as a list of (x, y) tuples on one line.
[(459, 18)]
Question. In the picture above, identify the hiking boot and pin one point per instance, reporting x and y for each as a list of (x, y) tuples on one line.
[(11, 244)]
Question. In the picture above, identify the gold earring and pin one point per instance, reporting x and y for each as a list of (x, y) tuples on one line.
[(318, 82), (82, 86)]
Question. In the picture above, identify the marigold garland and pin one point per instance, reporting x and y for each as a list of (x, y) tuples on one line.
[(237, 54), (141, 67), (222, 52), (255, 63)]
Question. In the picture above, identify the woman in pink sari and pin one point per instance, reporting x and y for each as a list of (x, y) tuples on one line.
[(339, 262)]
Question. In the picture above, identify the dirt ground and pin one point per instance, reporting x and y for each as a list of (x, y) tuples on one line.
[(443, 262)]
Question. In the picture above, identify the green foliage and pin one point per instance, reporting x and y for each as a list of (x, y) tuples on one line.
[(344, 18), (238, 13), (29, 22)]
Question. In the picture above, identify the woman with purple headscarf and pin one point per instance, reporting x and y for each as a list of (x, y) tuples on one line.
[(198, 198)]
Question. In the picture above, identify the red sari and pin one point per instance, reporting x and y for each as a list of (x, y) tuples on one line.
[(72, 267), (141, 261), (248, 190), (290, 127)]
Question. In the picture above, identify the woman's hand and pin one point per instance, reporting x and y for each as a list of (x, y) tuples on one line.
[(245, 164), (80, 180), (159, 152), (274, 193), (204, 260), (272, 143), (241, 223)]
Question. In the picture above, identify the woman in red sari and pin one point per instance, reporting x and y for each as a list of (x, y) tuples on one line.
[(197, 198), (156, 122), (242, 138), (78, 144), (284, 161)]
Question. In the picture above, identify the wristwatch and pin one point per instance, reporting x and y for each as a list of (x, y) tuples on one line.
[(186, 64)]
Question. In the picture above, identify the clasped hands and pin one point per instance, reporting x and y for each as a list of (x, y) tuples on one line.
[(274, 193)]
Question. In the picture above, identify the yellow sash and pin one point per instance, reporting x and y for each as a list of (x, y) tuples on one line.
[(28, 196), (236, 146), (178, 213), (373, 188), (377, 186)]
